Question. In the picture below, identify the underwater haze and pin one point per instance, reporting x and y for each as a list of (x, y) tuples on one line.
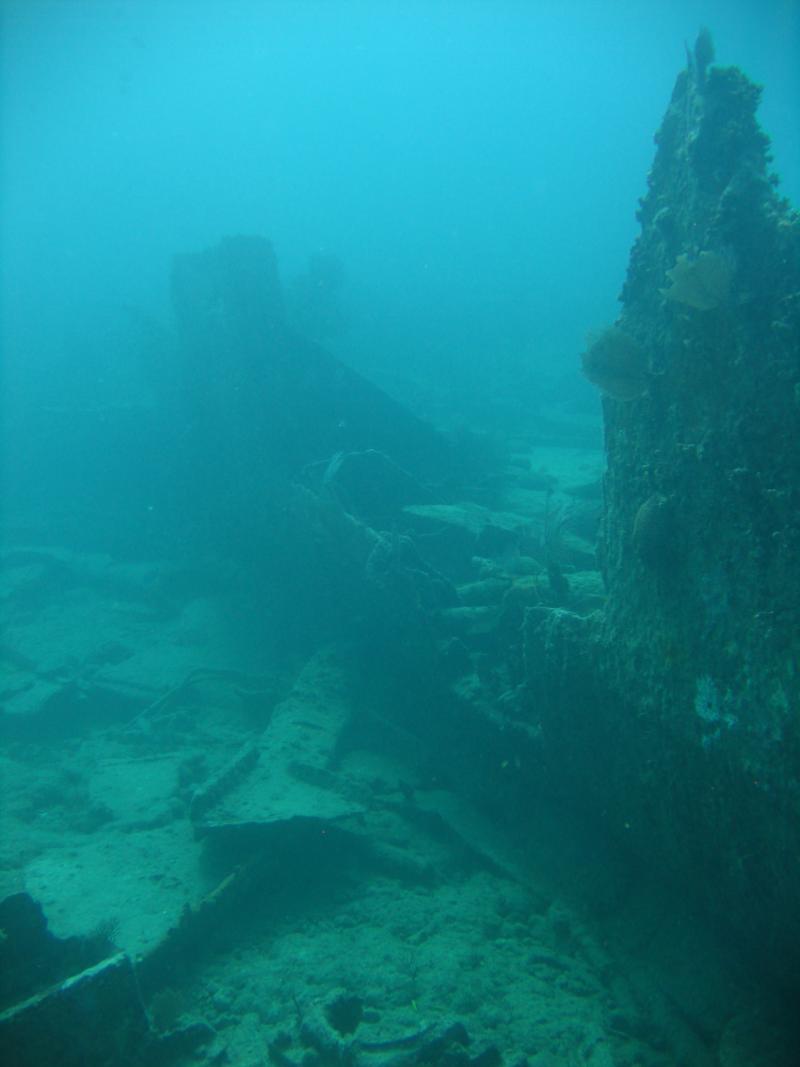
[(474, 166), (399, 533)]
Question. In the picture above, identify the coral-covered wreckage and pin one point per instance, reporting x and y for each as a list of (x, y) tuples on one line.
[(472, 650), (676, 712)]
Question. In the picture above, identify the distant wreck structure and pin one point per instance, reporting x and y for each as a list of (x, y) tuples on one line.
[(260, 398), (277, 436), (675, 713)]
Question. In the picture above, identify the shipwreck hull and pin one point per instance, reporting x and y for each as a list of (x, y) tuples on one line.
[(675, 714)]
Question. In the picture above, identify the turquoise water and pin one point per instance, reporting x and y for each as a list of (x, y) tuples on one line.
[(303, 486)]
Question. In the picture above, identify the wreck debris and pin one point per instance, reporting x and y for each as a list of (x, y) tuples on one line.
[(60, 1024)]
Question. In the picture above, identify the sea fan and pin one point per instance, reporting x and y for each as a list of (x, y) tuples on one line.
[(616, 363), (703, 283)]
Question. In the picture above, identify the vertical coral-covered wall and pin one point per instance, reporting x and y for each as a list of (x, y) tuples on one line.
[(677, 714)]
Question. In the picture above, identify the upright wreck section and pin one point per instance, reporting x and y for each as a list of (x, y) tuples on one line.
[(676, 714)]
